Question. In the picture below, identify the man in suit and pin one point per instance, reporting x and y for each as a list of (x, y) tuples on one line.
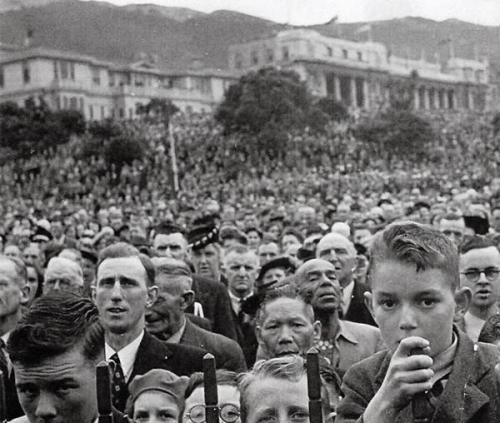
[(54, 351), (242, 266), (124, 289), (166, 319), (14, 293), (170, 241), (339, 251), (342, 342)]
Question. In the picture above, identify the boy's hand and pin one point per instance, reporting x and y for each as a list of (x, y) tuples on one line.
[(408, 374)]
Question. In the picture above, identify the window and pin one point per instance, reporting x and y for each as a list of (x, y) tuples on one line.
[(103, 112), (329, 51), (64, 70), (285, 53), (91, 111), (81, 104), (65, 102), (73, 103), (56, 70), (96, 76), (58, 103), (360, 56), (26, 73), (72, 71), (269, 55), (345, 54), (238, 61), (111, 79), (122, 112), (130, 112), (254, 58), (1, 77)]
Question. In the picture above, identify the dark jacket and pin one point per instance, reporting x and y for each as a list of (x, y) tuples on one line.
[(472, 393), (216, 305), (155, 354), (228, 354), (357, 311), (245, 330), (13, 407)]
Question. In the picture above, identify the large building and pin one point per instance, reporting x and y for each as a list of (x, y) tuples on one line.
[(101, 89), (357, 73)]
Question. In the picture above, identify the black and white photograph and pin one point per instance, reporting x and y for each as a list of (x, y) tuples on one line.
[(250, 211)]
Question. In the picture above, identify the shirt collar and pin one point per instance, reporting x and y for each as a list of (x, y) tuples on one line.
[(176, 337), (346, 333), (5, 337), (126, 355), (236, 301)]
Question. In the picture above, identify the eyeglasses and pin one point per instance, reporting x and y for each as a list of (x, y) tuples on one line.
[(229, 413), (491, 274)]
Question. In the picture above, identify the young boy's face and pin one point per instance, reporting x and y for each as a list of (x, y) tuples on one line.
[(407, 303)]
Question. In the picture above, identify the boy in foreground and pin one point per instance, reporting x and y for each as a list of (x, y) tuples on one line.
[(431, 371)]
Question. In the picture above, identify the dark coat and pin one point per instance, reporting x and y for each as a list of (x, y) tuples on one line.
[(472, 393), (357, 311), (13, 407), (216, 305), (245, 330), (202, 322), (155, 354), (228, 354)]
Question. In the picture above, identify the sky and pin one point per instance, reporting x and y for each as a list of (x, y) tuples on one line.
[(308, 12)]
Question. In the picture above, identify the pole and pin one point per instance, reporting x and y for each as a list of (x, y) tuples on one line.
[(314, 387), (173, 156), (103, 381), (210, 386), (3, 402)]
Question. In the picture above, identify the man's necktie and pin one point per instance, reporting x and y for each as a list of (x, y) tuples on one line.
[(4, 359), (119, 388)]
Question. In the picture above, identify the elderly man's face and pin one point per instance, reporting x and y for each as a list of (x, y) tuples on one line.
[(171, 245), (241, 272), (286, 327), (341, 253), (58, 390), (453, 229), (32, 255), (166, 315), (268, 252)]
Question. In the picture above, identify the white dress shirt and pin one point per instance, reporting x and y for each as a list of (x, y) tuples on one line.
[(126, 355), (346, 297)]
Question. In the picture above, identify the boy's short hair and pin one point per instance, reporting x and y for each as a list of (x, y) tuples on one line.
[(417, 244), (291, 368), (223, 377)]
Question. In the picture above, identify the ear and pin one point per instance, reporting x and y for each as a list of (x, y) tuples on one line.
[(188, 299), (317, 329), (152, 295), (369, 303), (463, 297), (25, 294), (258, 335)]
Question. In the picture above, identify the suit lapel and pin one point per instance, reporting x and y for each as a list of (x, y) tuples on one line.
[(148, 356), (190, 337), (467, 372)]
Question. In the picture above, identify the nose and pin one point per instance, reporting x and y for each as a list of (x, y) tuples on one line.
[(168, 253), (116, 293), (56, 286), (482, 278), (45, 408), (241, 271), (408, 319), (285, 335)]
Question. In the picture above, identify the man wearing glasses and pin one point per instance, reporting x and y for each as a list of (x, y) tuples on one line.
[(479, 271)]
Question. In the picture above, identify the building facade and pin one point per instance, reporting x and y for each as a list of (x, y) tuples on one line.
[(358, 73), (101, 89)]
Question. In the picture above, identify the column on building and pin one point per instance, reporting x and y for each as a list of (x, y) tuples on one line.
[(366, 98), (338, 93), (427, 105), (446, 103), (353, 92)]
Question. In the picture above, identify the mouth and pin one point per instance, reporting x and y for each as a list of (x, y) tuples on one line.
[(116, 310), (287, 352)]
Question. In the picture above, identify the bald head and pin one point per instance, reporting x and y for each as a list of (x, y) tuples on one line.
[(312, 268), (172, 275)]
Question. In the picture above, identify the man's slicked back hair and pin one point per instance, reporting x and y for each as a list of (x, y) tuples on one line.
[(124, 250), (475, 242), (55, 324), (415, 244)]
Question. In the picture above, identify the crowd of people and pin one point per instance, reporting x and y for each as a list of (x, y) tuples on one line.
[(387, 269)]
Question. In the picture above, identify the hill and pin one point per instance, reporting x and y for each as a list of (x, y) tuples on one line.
[(178, 36)]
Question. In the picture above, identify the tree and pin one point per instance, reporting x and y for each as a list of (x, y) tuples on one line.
[(158, 110), (398, 133), (266, 101), (123, 150), (332, 108)]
